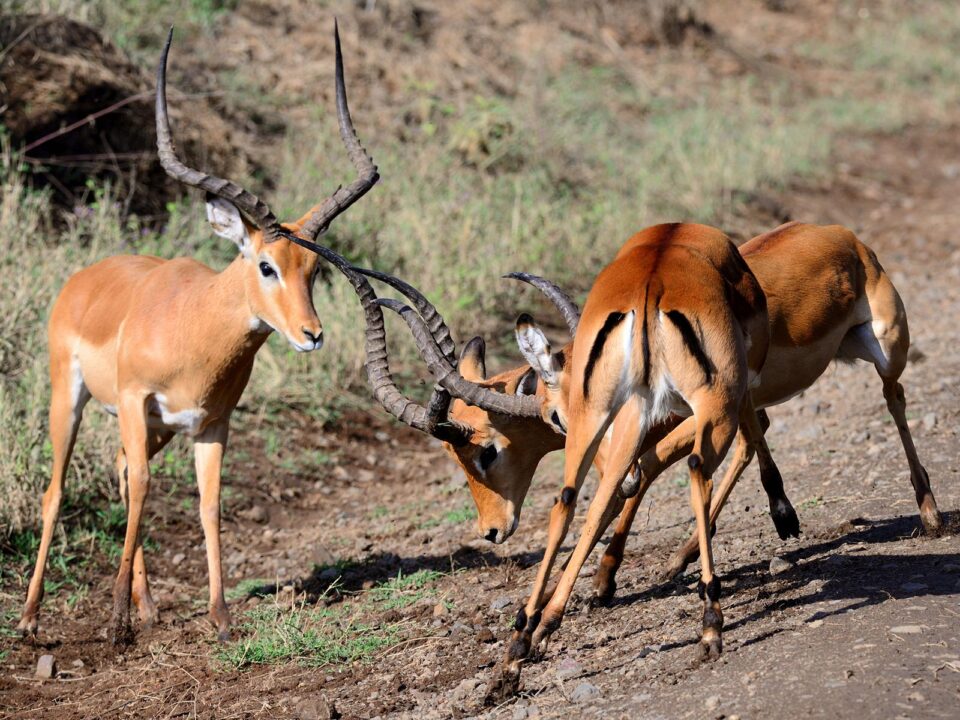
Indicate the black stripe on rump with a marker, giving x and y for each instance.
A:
(613, 319)
(645, 338)
(691, 341)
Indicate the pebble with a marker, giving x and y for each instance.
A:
(712, 702)
(779, 565)
(906, 629)
(178, 558)
(929, 421)
(584, 692)
(568, 668)
(46, 667)
(501, 603)
(258, 514)
(440, 609)
(485, 635)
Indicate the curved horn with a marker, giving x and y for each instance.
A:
(449, 377)
(366, 170)
(434, 321)
(254, 207)
(431, 419)
(567, 307)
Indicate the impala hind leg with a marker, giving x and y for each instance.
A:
(716, 427)
(208, 453)
(67, 399)
(140, 587)
(133, 432)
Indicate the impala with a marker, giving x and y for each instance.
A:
(827, 295)
(168, 346)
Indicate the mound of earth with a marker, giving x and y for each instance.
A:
(79, 110)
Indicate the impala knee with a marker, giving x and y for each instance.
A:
(709, 590)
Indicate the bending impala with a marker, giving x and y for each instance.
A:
(168, 346)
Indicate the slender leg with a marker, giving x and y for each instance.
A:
(208, 451)
(133, 432)
(897, 404)
(604, 582)
(66, 409)
(146, 607)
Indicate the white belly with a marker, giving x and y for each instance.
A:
(188, 421)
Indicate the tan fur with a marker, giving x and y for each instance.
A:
(140, 335)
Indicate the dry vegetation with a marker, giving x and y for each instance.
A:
(507, 140)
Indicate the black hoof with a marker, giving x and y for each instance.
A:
(122, 634)
(603, 595)
(785, 520)
(709, 650)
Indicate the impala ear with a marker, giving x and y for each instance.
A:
(536, 350)
(528, 383)
(472, 365)
(227, 222)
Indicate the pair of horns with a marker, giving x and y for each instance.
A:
(255, 208)
(436, 347)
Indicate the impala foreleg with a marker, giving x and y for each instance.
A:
(208, 451)
(134, 435)
(66, 407)
(627, 437)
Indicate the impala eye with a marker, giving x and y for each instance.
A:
(487, 457)
(555, 419)
(266, 269)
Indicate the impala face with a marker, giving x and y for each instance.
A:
(502, 454)
(278, 276)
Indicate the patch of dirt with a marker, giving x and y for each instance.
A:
(864, 620)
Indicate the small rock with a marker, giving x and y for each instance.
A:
(258, 514)
(913, 586)
(365, 475)
(929, 421)
(520, 712)
(178, 558)
(460, 629)
(485, 635)
(712, 703)
(439, 610)
(815, 623)
(916, 697)
(568, 668)
(584, 692)
(907, 629)
(340, 473)
(78, 664)
(381, 436)
(779, 565)
(951, 568)
(466, 687)
(501, 603)
(46, 667)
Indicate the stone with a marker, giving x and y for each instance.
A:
(501, 603)
(584, 692)
(46, 667)
(178, 558)
(778, 565)
(568, 668)
(913, 586)
(440, 609)
(712, 702)
(929, 421)
(258, 514)
(907, 629)
(485, 635)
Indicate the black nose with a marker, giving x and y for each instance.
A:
(311, 337)
(492, 535)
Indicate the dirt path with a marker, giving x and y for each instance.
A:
(864, 622)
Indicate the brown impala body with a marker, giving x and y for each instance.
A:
(168, 346)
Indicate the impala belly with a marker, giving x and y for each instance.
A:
(161, 416)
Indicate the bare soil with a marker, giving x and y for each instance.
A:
(864, 622)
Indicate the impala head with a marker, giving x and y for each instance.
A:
(279, 261)
(494, 428)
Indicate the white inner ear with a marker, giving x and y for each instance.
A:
(226, 222)
(536, 350)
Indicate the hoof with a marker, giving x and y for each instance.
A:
(122, 634)
(674, 569)
(932, 523)
(709, 650)
(785, 520)
(504, 687)
(603, 593)
(27, 627)
(223, 636)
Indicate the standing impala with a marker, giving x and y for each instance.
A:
(168, 347)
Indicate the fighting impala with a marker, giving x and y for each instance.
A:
(822, 283)
(168, 347)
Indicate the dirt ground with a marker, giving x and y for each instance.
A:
(864, 621)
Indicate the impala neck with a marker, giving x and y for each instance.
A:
(228, 314)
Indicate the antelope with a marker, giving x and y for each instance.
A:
(168, 346)
(827, 295)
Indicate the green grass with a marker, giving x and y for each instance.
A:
(404, 590)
